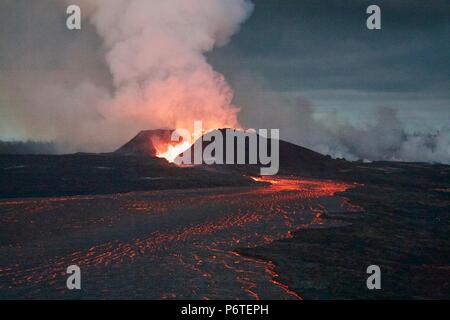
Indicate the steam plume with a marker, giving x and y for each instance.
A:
(159, 77)
(155, 52)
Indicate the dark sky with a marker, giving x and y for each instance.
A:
(322, 50)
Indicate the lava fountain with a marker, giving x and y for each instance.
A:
(172, 151)
(181, 140)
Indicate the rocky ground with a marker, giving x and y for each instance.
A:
(88, 174)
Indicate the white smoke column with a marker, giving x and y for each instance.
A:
(155, 52)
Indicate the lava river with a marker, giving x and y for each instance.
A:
(172, 244)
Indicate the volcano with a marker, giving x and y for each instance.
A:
(293, 158)
(146, 143)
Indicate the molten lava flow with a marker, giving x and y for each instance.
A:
(315, 188)
(173, 151)
(170, 150)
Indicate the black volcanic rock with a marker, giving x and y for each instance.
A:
(87, 174)
(297, 158)
(145, 143)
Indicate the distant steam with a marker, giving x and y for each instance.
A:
(384, 138)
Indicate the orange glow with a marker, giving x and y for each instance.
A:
(172, 151)
(315, 188)
(272, 211)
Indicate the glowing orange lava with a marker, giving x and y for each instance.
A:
(173, 151)
(316, 188)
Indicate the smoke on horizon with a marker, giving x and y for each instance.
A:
(27, 147)
(383, 138)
